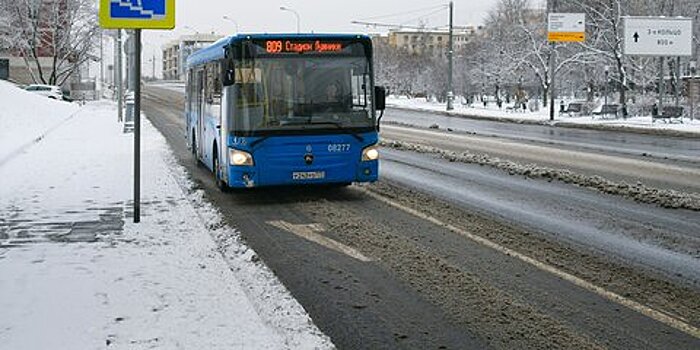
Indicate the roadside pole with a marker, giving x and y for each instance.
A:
(693, 90)
(160, 14)
(662, 84)
(552, 85)
(679, 80)
(102, 64)
(120, 78)
(552, 68)
(137, 126)
(561, 28)
(115, 50)
(450, 55)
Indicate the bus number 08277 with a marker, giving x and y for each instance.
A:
(344, 147)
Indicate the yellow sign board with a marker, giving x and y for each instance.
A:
(566, 37)
(137, 14)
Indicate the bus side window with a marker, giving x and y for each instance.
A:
(216, 88)
(188, 91)
(208, 85)
(359, 88)
(198, 98)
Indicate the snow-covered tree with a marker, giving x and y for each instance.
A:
(63, 31)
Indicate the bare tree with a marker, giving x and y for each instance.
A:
(60, 32)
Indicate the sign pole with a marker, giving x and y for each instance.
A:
(552, 68)
(137, 126)
(561, 28)
(137, 15)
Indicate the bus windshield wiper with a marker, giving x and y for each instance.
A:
(339, 126)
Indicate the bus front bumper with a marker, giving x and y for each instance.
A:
(250, 177)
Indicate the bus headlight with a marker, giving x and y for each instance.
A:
(240, 158)
(370, 153)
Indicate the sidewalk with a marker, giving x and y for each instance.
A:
(635, 124)
(75, 273)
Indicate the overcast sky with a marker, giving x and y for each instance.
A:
(317, 16)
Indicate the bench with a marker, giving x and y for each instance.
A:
(608, 110)
(573, 109)
(670, 114)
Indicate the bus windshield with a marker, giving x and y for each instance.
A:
(288, 94)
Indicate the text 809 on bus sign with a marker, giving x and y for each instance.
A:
(288, 46)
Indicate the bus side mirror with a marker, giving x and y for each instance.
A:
(380, 98)
(228, 77)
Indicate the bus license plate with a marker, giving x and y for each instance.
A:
(312, 175)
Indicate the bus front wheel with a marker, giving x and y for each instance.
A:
(220, 183)
(194, 149)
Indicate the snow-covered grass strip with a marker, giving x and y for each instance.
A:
(642, 123)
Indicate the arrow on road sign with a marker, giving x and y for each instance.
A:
(636, 37)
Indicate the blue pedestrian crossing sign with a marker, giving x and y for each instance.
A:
(137, 14)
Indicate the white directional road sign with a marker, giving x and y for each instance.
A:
(658, 36)
(567, 27)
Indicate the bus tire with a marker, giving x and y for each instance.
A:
(220, 183)
(194, 149)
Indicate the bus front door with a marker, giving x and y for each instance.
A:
(200, 112)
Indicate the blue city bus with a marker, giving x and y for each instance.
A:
(292, 109)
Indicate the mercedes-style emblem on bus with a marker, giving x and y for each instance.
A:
(309, 159)
(309, 149)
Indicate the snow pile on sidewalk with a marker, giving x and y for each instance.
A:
(75, 273)
(25, 117)
(542, 116)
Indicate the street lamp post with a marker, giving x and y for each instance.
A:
(283, 8)
(227, 18)
(450, 53)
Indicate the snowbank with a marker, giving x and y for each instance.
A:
(76, 273)
(542, 116)
(25, 116)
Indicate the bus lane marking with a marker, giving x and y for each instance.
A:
(657, 315)
(312, 233)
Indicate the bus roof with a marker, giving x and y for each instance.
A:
(216, 50)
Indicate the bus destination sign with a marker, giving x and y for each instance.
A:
(300, 47)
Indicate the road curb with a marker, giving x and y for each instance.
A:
(560, 124)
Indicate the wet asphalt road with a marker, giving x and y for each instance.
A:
(665, 240)
(425, 286)
(663, 174)
(609, 142)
